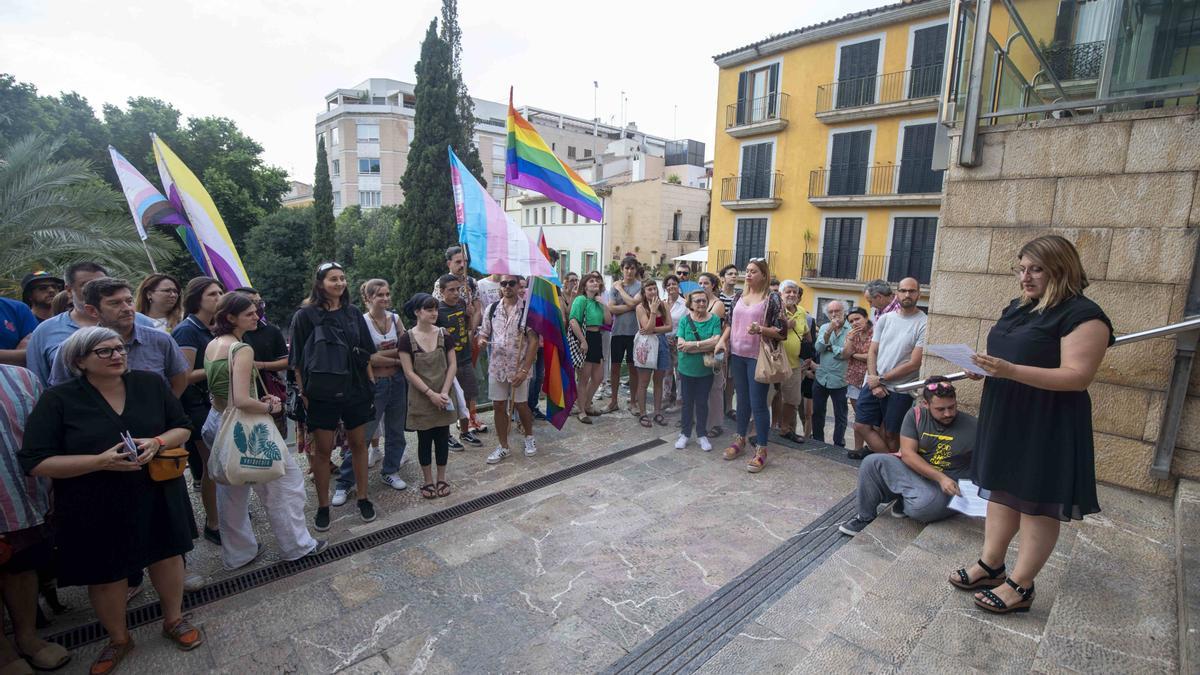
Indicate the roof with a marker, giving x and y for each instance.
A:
(826, 29)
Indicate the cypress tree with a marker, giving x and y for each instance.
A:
(427, 222)
(322, 236)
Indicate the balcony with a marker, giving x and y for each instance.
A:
(899, 93)
(1077, 68)
(762, 115)
(911, 184)
(722, 257)
(850, 271)
(752, 191)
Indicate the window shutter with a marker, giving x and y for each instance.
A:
(928, 56)
(773, 92)
(912, 249)
(742, 96)
(856, 71)
(916, 160)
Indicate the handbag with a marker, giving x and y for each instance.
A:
(577, 355)
(772, 366)
(167, 464)
(248, 448)
(645, 351)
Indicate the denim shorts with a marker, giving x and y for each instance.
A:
(887, 412)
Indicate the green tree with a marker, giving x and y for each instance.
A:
(323, 244)
(465, 106)
(366, 242)
(276, 259)
(54, 213)
(427, 224)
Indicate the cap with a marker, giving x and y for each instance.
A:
(30, 278)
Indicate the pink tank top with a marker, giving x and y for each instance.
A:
(742, 343)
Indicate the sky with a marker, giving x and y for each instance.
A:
(268, 64)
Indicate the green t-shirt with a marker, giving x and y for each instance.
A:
(587, 312)
(692, 363)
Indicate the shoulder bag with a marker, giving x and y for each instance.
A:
(248, 449)
(577, 355)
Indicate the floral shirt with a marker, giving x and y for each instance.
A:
(858, 343)
(505, 330)
(891, 307)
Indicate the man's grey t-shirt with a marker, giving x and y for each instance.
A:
(947, 449)
(624, 324)
(897, 336)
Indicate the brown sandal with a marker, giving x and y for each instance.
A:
(758, 461)
(735, 448)
(185, 636)
(110, 657)
(443, 488)
(429, 491)
(644, 420)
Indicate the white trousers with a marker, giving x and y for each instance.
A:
(283, 500)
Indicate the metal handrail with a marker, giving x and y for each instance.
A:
(1189, 323)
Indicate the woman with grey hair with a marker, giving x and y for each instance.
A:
(112, 519)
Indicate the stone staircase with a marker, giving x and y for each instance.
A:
(1121, 593)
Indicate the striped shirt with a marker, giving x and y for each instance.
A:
(24, 500)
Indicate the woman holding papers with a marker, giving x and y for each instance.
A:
(1034, 462)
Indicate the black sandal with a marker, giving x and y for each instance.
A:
(644, 420)
(428, 491)
(660, 420)
(994, 578)
(997, 606)
(443, 488)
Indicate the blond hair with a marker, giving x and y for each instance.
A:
(1060, 262)
(370, 287)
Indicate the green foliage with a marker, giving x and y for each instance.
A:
(366, 243)
(427, 223)
(674, 179)
(54, 213)
(323, 243)
(276, 257)
(614, 269)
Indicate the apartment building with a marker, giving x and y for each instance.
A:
(368, 128)
(825, 154)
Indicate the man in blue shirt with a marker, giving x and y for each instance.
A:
(51, 333)
(830, 380)
(17, 323)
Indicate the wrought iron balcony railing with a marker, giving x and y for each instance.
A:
(849, 266)
(755, 110)
(878, 89)
(759, 185)
(905, 178)
(723, 257)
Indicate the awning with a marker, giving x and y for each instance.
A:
(699, 255)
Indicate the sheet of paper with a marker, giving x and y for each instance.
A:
(970, 503)
(958, 354)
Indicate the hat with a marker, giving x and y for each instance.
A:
(30, 278)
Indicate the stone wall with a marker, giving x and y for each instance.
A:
(1124, 188)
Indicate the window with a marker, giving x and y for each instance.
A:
(848, 163)
(337, 167)
(928, 55)
(553, 147)
(411, 132)
(587, 153)
(916, 160)
(676, 222)
(368, 133)
(535, 217)
(751, 240)
(368, 165)
(498, 182)
(858, 67)
(370, 199)
(755, 181)
(498, 150)
(758, 93)
(571, 152)
(703, 230)
(839, 248)
(544, 221)
(576, 216)
(337, 200)
(564, 263)
(589, 262)
(912, 249)
(335, 136)
(564, 216)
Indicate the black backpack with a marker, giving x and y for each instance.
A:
(326, 367)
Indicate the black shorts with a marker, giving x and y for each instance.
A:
(806, 387)
(465, 375)
(621, 347)
(353, 411)
(595, 346)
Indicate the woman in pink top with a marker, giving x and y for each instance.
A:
(757, 316)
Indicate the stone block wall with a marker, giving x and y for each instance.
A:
(1123, 187)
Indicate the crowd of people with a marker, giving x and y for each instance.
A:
(122, 376)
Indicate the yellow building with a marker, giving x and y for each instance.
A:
(825, 150)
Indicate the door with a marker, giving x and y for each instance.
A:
(839, 248)
(857, 69)
(756, 171)
(757, 94)
(916, 161)
(751, 241)
(928, 57)
(848, 163)
(912, 249)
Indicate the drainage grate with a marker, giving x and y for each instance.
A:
(689, 641)
(139, 616)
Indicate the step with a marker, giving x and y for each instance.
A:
(1187, 570)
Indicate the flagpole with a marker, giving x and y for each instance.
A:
(153, 267)
(510, 105)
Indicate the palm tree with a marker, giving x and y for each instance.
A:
(55, 213)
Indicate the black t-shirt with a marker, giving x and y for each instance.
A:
(455, 320)
(352, 324)
(267, 341)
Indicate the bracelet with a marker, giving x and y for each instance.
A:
(161, 445)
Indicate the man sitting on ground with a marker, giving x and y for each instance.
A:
(936, 442)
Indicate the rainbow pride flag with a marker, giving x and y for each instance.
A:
(184, 190)
(531, 164)
(545, 317)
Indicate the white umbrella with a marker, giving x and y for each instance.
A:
(699, 255)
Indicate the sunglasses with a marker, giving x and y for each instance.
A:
(325, 267)
(940, 388)
(509, 283)
(682, 273)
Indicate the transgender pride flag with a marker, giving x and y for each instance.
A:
(495, 243)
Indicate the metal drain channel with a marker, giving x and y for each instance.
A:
(74, 638)
(689, 641)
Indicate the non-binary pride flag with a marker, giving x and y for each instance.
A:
(545, 318)
(531, 164)
(183, 188)
(495, 244)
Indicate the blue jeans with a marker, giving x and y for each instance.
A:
(751, 398)
(694, 391)
(391, 408)
(535, 384)
(838, 396)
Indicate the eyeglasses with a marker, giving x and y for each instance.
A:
(325, 267)
(1032, 270)
(509, 283)
(107, 352)
(682, 273)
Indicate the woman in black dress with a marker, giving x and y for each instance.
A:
(1034, 459)
(112, 520)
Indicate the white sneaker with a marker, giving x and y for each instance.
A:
(393, 480)
(373, 455)
(192, 581)
(498, 455)
(682, 442)
(704, 444)
(530, 446)
(339, 497)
